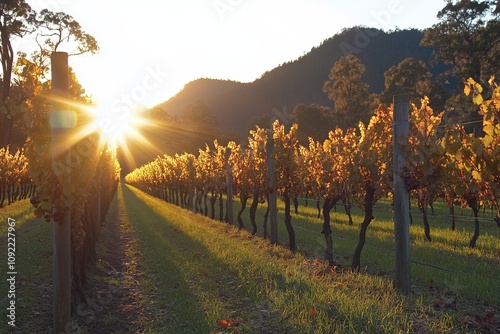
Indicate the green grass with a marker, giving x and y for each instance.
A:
(447, 261)
(217, 272)
(33, 266)
(188, 273)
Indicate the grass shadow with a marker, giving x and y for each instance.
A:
(469, 272)
(33, 265)
(198, 285)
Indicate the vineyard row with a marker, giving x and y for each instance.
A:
(15, 182)
(353, 166)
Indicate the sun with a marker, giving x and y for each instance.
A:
(122, 129)
(116, 125)
(125, 131)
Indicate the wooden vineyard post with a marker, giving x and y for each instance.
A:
(401, 198)
(273, 215)
(229, 176)
(62, 121)
(191, 190)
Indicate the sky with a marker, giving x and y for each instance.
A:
(150, 49)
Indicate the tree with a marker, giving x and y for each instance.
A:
(28, 98)
(199, 126)
(409, 77)
(55, 28)
(16, 18)
(263, 121)
(313, 120)
(347, 90)
(158, 114)
(60, 27)
(468, 38)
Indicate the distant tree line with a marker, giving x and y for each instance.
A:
(467, 39)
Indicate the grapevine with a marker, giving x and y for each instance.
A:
(15, 181)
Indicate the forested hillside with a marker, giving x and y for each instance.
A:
(236, 105)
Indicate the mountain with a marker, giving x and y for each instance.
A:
(236, 104)
(275, 94)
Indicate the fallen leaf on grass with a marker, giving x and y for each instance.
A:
(223, 323)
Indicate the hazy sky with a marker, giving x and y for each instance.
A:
(149, 49)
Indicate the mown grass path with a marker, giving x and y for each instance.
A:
(201, 279)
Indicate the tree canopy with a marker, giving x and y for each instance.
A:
(345, 87)
(468, 38)
(410, 77)
(18, 19)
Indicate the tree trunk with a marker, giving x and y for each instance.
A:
(184, 199)
(205, 203)
(32, 190)
(266, 217)
(497, 220)
(7, 131)
(196, 208)
(7, 57)
(427, 229)
(17, 190)
(253, 211)
(452, 217)
(226, 216)
(213, 199)
(369, 201)
(473, 240)
(22, 191)
(243, 200)
(288, 222)
(319, 208)
(327, 231)
(9, 195)
(3, 189)
(347, 208)
(200, 201)
(296, 205)
(221, 207)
